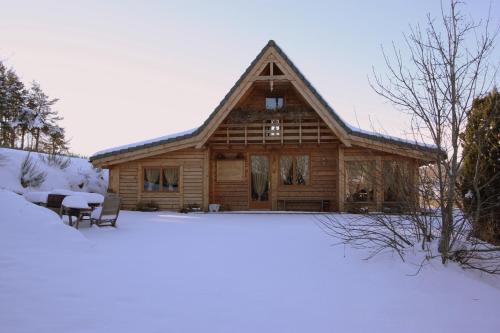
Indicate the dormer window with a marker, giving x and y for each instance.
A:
(274, 103)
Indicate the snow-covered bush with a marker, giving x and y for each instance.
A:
(90, 180)
(59, 161)
(31, 175)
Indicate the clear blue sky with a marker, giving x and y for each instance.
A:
(133, 70)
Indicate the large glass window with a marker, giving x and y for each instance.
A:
(161, 179)
(359, 181)
(396, 181)
(274, 103)
(294, 170)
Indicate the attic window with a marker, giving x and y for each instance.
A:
(274, 103)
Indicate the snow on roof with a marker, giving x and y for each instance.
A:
(143, 144)
(357, 130)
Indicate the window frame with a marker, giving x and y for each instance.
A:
(374, 189)
(276, 98)
(405, 165)
(294, 171)
(162, 168)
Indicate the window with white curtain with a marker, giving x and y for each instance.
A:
(161, 179)
(294, 169)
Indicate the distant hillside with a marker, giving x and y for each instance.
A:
(22, 171)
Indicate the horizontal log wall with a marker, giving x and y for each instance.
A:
(235, 195)
(128, 185)
(323, 180)
(191, 187)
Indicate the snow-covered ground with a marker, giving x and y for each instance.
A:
(79, 175)
(168, 272)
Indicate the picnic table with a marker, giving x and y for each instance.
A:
(77, 206)
(66, 202)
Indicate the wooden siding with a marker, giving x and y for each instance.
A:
(323, 179)
(191, 179)
(128, 185)
(235, 195)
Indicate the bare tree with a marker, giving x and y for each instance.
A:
(446, 66)
(442, 69)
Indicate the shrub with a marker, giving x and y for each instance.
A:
(61, 162)
(31, 176)
(147, 206)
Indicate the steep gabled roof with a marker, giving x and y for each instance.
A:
(351, 131)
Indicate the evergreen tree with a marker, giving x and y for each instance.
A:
(3, 105)
(15, 100)
(27, 117)
(44, 117)
(481, 168)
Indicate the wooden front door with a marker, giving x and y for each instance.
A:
(260, 182)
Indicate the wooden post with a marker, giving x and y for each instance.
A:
(274, 181)
(282, 129)
(340, 178)
(300, 131)
(140, 180)
(379, 189)
(263, 132)
(114, 179)
(181, 186)
(206, 178)
(319, 133)
(246, 140)
(227, 134)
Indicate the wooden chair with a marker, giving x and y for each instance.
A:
(54, 202)
(107, 214)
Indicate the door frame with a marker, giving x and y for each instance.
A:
(260, 205)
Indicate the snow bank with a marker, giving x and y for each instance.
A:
(79, 175)
(24, 225)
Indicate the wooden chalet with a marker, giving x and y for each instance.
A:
(273, 143)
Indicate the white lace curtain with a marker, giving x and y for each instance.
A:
(286, 170)
(171, 178)
(152, 178)
(260, 175)
(302, 169)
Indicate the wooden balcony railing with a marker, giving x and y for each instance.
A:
(275, 131)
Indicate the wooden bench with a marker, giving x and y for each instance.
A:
(324, 204)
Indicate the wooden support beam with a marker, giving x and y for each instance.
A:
(282, 129)
(206, 179)
(379, 189)
(264, 132)
(340, 178)
(319, 132)
(246, 135)
(300, 131)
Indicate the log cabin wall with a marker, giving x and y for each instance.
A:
(191, 180)
(294, 130)
(235, 195)
(128, 184)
